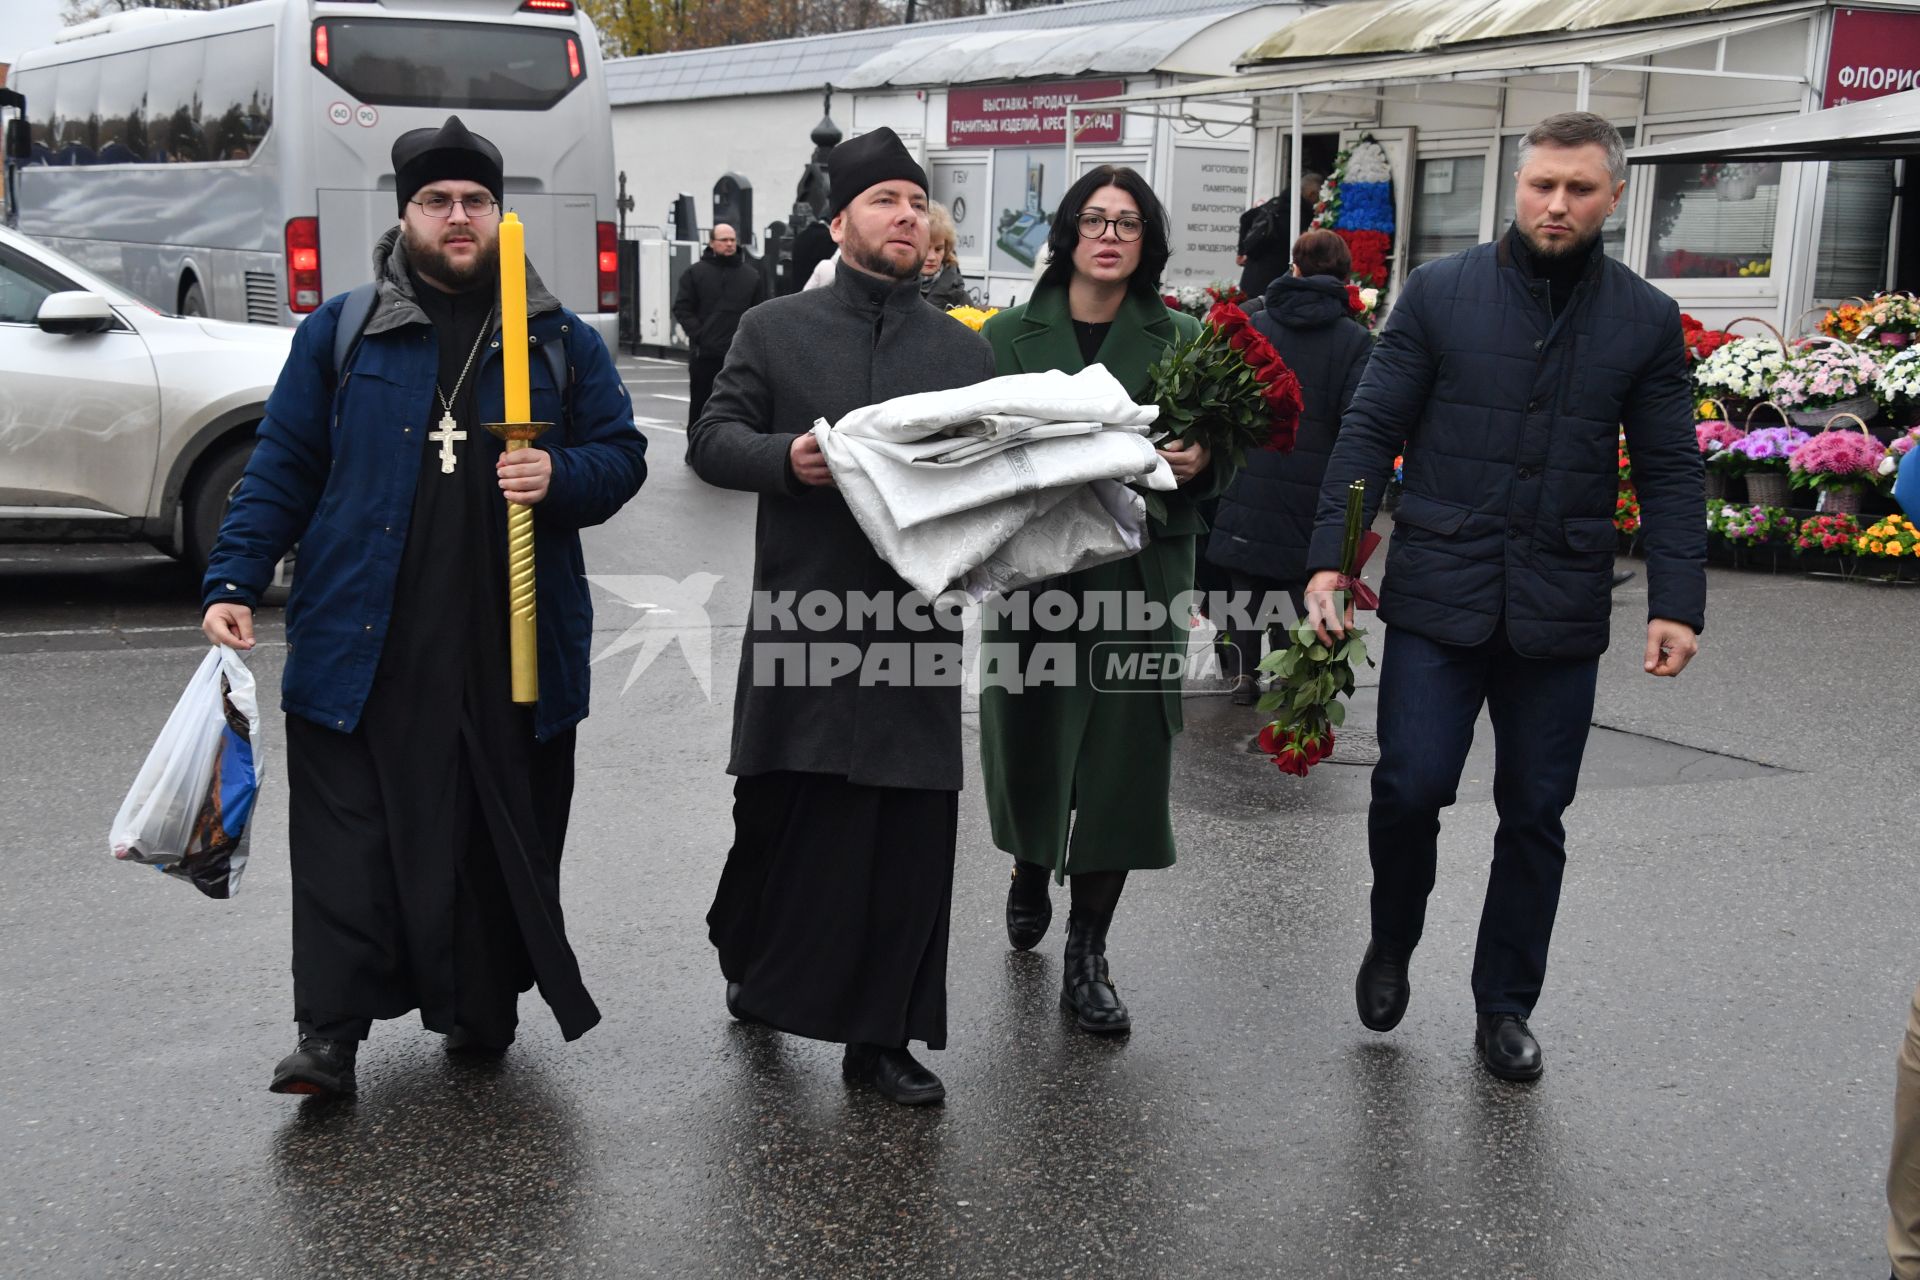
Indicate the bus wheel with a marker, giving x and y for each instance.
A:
(214, 482)
(193, 300)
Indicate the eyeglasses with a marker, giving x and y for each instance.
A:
(441, 206)
(1126, 227)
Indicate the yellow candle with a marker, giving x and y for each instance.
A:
(513, 317)
(518, 432)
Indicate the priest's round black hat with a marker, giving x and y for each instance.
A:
(421, 156)
(867, 161)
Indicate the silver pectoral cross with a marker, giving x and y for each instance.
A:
(445, 437)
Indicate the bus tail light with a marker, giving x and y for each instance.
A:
(320, 44)
(573, 58)
(303, 265)
(609, 263)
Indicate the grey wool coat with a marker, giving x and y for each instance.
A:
(821, 354)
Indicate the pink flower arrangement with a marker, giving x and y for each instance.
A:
(1715, 435)
(1825, 375)
(1837, 457)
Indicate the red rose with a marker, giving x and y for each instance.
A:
(1242, 338)
(1170, 300)
(1291, 761)
(1269, 740)
(1354, 302)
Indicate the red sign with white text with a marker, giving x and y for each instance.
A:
(1873, 53)
(1030, 115)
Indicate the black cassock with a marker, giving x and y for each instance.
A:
(425, 845)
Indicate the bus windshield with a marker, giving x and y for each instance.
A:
(393, 62)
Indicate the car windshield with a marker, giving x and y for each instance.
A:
(69, 274)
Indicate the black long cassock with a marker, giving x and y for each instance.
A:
(425, 845)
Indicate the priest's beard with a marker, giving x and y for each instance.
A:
(873, 259)
(427, 258)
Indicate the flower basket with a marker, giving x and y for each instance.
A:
(1717, 484)
(1841, 500)
(1767, 488)
(1857, 407)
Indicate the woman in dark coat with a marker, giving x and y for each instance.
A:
(1266, 517)
(1077, 776)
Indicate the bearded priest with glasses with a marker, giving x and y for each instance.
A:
(426, 810)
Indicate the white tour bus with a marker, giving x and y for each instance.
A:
(234, 163)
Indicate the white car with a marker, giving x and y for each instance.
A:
(117, 422)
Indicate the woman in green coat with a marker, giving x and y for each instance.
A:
(1077, 776)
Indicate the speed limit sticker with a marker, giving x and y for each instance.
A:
(340, 113)
(367, 117)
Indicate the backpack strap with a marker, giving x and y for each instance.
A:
(353, 318)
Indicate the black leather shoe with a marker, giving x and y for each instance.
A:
(318, 1068)
(733, 1006)
(894, 1072)
(473, 1045)
(1029, 908)
(1246, 691)
(1381, 990)
(1086, 987)
(1507, 1047)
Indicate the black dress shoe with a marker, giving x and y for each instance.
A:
(733, 1006)
(318, 1068)
(1381, 990)
(1246, 691)
(1086, 986)
(1507, 1047)
(1029, 908)
(472, 1044)
(894, 1072)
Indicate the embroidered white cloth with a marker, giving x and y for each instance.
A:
(999, 484)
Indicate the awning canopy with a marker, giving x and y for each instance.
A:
(1880, 127)
(1360, 27)
(1611, 51)
(987, 56)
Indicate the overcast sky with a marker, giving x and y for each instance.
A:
(26, 24)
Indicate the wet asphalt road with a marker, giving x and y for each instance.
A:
(1730, 977)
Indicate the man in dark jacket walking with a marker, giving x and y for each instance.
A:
(714, 293)
(426, 811)
(831, 915)
(1263, 241)
(1265, 520)
(1509, 371)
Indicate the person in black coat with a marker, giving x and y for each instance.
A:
(1509, 372)
(1265, 521)
(714, 293)
(1263, 237)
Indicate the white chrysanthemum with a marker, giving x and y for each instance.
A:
(1368, 163)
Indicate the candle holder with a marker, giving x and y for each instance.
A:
(522, 636)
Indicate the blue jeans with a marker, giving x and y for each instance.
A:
(1430, 697)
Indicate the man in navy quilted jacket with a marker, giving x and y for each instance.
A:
(1509, 371)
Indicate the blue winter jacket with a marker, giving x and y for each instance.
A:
(1511, 419)
(335, 471)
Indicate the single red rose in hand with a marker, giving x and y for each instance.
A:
(1354, 302)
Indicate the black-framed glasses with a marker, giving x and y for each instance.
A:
(437, 205)
(1126, 226)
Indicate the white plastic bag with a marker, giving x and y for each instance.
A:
(188, 809)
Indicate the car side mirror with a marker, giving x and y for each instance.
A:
(19, 140)
(74, 312)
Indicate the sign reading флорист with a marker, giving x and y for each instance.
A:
(1873, 53)
(1030, 115)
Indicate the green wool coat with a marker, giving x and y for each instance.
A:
(1049, 750)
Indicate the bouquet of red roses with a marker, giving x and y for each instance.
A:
(1227, 389)
(1311, 676)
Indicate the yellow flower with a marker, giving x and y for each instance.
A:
(1706, 411)
(973, 317)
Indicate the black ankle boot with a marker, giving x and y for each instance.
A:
(319, 1068)
(1381, 989)
(1029, 908)
(1086, 989)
